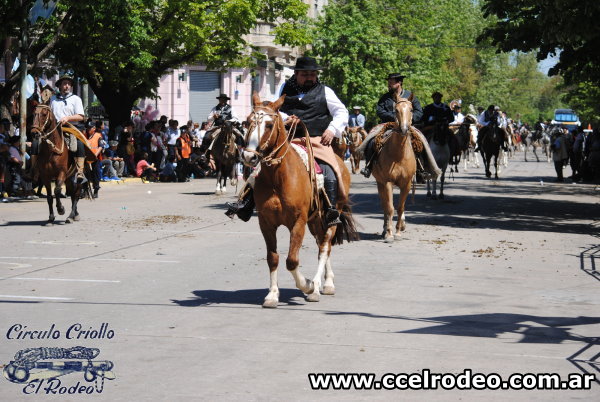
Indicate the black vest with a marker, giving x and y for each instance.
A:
(311, 109)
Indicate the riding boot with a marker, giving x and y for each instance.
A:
(95, 195)
(370, 160)
(332, 215)
(80, 163)
(243, 207)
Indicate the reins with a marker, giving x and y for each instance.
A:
(44, 136)
(270, 159)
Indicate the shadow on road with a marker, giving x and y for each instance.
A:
(244, 296)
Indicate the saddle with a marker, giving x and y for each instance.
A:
(386, 132)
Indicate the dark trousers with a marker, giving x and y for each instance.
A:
(558, 166)
(183, 169)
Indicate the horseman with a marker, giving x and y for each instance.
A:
(459, 118)
(217, 117)
(356, 119)
(68, 110)
(324, 116)
(436, 113)
(488, 120)
(386, 113)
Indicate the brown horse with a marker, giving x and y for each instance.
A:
(225, 152)
(339, 147)
(283, 193)
(54, 163)
(396, 165)
(355, 136)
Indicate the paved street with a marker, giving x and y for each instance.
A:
(499, 277)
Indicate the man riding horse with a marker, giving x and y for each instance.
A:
(325, 118)
(217, 118)
(489, 120)
(68, 109)
(386, 113)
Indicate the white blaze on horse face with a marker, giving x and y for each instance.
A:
(258, 130)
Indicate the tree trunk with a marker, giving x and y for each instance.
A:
(116, 104)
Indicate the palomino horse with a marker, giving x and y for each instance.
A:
(283, 192)
(396, 165)
(225, 152)
(492, 139)
(440, 148)
(54, 163)
(355, 136)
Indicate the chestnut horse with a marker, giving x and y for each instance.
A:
(54, 163)
(339, 147)
(355, 136)
(396, 165)
(283, 193)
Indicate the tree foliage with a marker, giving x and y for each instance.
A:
(123, 47)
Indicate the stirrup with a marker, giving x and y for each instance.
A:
(332, 217)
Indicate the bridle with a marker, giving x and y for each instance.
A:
(256, 120)
(40, 129)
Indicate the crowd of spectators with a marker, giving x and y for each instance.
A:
(160, 150)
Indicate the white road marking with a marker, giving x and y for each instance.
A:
(92, 259)
(14, 265)
(36, 297)
(64, 280)
(63, 242)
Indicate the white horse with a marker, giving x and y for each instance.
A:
(470, 156)
(441, 153)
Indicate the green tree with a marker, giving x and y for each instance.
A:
(123, 47)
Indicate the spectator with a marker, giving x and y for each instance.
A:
(94, 138)
(168, 172)
(3, 161)
(183, 150)
(157, 147)
(171, 136)
(144, 170)
(13, 165)
(118, 164)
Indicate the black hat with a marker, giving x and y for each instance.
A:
(306, 63)
(64, 77)
(437, 93)
(396, 76)
(223, 96)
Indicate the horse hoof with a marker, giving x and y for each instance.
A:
(61, 211)
(270, 304)
(397, 236)
(69, 220)
(313, 297)
(389, 239)
(329, 290)
(48, 224)
(76, 218)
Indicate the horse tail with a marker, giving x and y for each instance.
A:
(347, 229)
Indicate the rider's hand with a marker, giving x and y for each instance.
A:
(327, 137)
(64, 120)
(291, 119)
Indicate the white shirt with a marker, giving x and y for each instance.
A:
(336, 109)
(458, 118)
(172, 134)
(66, 107)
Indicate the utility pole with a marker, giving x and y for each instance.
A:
(23, 69)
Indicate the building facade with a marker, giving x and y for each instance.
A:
(189, 92)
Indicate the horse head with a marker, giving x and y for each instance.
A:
(265, 126)
(403, 111)
(43, 120)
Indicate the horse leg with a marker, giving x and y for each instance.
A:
(324, 253)
(57, 190)
(495, 166)
(49, 199)
(535, 153)
(401, 224)
(269, 234)
(386, 195)
(293, 259)
(74, 215)
(442, 180)
(328, 286)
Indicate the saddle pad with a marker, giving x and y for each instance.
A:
(304, 156)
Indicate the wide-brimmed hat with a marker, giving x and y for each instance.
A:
(223, 96)
(64, 77)
(396, 76)
(306, 63)
(356, 108)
